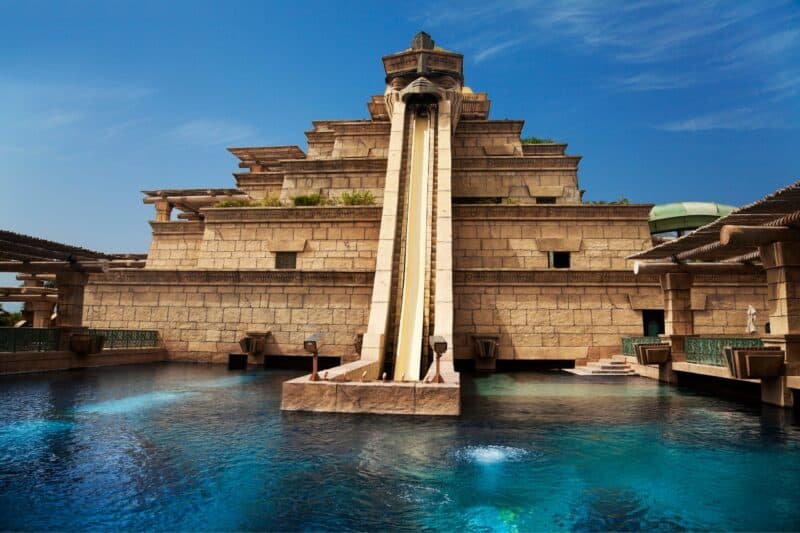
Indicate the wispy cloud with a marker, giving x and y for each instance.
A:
(209, 132)
(58, 91)
(55, 119)
(650, 81)
(494, 49)
(700, 35)
(742, 119)
(655, 45)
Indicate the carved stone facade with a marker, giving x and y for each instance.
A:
(511, 217)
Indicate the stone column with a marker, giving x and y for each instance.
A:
(71, 286)
(37, 313)
(678, 316)
(781, 261)
(163, 211)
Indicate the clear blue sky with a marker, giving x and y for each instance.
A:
(666, 101)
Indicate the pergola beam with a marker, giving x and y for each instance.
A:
(36, 277)
(641, 267)
(195, 201)
(53, 267)
(8, 291)
(754, 236)
(50, 298)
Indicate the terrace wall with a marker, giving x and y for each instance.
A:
(201, 315)
(550, 315)
(511, 237)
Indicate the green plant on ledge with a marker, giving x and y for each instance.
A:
(234, 202)
(619, 201)
(269, 201)
(536, 140)
(305, 200)
(357, 198)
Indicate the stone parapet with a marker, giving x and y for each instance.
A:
(27, 362)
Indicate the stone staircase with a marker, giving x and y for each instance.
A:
(615, 366)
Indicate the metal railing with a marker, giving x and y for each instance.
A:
(127, 338)
(708, 350)
(628, 342)
(29, 339)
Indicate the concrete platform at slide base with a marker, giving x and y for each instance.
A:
(29, 362)
(352, 388)
(401, 398)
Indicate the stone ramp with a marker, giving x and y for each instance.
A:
(614, 366)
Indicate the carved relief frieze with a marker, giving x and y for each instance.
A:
(551, 212)
(293, 214)
(466, 164)
(552, 277)
(234, 277)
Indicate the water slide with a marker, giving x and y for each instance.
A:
(409, 347)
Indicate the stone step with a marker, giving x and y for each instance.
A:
(584, 371)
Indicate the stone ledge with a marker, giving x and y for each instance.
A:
(177, 228)
(151, 276)
(707, 370)
(292, 214)
(27, 362)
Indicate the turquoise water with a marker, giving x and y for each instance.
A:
(186, 447)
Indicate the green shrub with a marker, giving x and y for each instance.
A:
(234, 202)
(357, 198)
(619, 201)
(270, 201)
(308, 199)
(536, 140)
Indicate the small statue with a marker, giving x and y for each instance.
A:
(751, 320)
(325, 375)
(364, 376)
(383, 377)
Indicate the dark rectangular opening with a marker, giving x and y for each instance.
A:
(545, 199)
(559, 259)
(286, 260)
(477, 200)
(653, 322)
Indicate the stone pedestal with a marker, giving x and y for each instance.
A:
(774, 391)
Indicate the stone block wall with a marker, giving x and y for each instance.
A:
(319, 245)
(521, 237)
(576, 315)
(522, 185)
(175, 245)
(722, 309)
(332, 177)
(487, 138)
(202, 315)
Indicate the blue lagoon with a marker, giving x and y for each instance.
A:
(195, 447)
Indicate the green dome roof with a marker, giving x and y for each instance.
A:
(685, 215)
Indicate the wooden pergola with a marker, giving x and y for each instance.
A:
(736, 238)
(189, 201)
(39, 260)
(761, 236)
